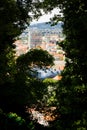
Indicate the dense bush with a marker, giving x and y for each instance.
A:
(12, 121)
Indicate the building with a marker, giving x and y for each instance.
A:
(44, 38)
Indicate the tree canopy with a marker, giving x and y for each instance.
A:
(72, 88)
(15, 16)
(14, 84)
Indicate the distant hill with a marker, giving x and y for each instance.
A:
(42, 26)
(46, 26)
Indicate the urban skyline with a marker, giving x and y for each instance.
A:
(43, 37)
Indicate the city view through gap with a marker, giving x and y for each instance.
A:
(46, 37)
(43, 64)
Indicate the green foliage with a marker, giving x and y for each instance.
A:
(49, 97)
(31, 89)
(14, 19)
(13, 121)
(34, 57)
(15, 117)
(19, 89)
(72, 89)
(50, 81)
(16, 87)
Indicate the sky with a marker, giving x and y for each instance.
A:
(46, 17)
